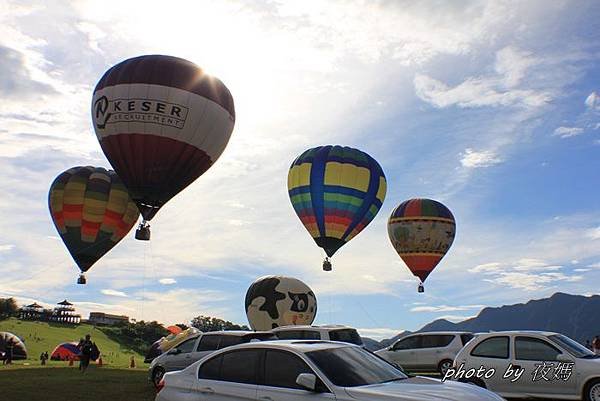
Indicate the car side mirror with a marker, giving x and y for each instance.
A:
(307, 381)
(174, 351)
(563, 358)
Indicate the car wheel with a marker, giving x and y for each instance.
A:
(592, 391)
(444, 366)
(157, 375)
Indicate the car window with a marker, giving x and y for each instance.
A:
(493, 347)
(354, 366)
(408, 343)
(465, 338)
(436, 341)
(289, 335)
(208, 343)
(346, 335)
(228, 341)
(282, 368)
(312, 335)
(210, 369)
(534, 349)
(240, 366)
(187, 346)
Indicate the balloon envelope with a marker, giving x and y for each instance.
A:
(66, 352)
(421, 231)
(161, 122)
(335, 191)
(92, 211)
(19, 349)
(274, 301)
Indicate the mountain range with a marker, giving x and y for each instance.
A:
(575, 316)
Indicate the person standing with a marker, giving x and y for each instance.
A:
(596, 345)
(86, 347)
(9, 352)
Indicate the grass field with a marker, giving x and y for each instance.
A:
(20, 383)
(42, 336)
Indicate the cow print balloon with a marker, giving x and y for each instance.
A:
(274, 301)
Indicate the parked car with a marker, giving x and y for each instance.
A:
(328, 332)
(528, 350)
(197, 347)
(426, 352)
(306, 370)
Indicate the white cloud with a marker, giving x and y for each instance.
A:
(167, 281)
(476, 159)
(445, 308)
(113, 293)
(593, 101)
(456, 318)
(493, 90)
(531, 281)
(593, 233)
(568, 132)
(6, 247)
(487, 268)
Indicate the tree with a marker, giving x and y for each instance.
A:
(8, 308)
(207, 323)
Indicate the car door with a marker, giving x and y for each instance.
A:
(431, 351)
(281, 368)
(491, 353)
(231, 376)
(207, 344)
(539, 359)
(180, 356)
(404, 352)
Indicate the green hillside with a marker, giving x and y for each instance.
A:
(42, 336)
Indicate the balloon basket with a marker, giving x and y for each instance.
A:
(421, 288)
(81, 279)
(327, 265)
(143, 231)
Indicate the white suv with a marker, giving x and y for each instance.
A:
(426, 352)
(197, 347)
(542, 365)
(329, 333)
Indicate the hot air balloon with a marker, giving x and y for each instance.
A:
(161, 122)
(421, 231)
(274, 301)
(336, 191)
(92, 211)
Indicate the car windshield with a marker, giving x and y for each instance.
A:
(353, 366)
(346, 335)
(572, 346)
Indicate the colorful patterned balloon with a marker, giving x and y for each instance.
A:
(92, 211)
(336, 191)
(161, 122)
(421, 231)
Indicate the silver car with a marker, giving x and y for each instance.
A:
(426, 352)
(197, 347)
(530, 364)
(306, 371)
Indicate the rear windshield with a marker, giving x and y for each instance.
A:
(465, 338)
(346, 335)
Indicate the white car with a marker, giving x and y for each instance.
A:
(197, 347)
(326, 332)
(308, 371)
(550, 365)
(426, 352)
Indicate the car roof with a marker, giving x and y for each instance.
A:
(325, 327)
(517, 332)
(237, 333)
(294, 345)
(443, 333)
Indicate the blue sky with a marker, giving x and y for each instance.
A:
(490, 107)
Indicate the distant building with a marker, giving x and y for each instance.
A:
(107, 319)
(64, 312)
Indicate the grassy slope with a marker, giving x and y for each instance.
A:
(68, 384)
(40, 337)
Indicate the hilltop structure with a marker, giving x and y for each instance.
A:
(64, 312)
